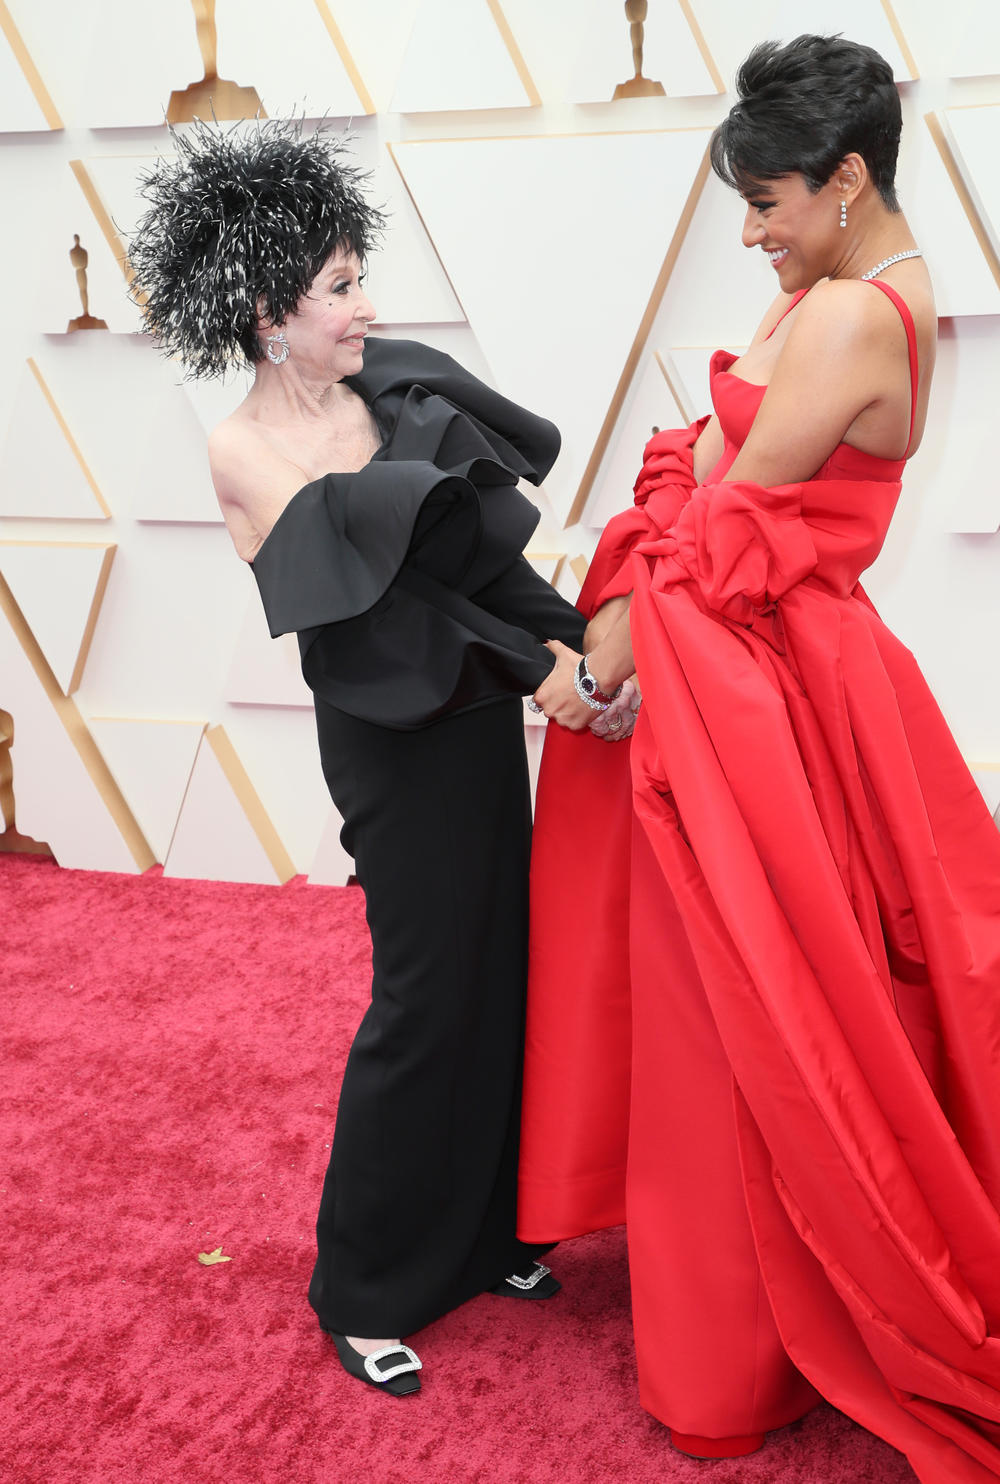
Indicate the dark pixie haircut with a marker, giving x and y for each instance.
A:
(803, 107)
(240, 222)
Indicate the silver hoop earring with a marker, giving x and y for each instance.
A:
(843, 212)
(278, 349)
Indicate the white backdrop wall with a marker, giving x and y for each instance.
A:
(566, 244)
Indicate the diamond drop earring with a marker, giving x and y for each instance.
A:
(278, 349)
(843, 212)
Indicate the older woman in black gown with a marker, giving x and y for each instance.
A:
(372, 488)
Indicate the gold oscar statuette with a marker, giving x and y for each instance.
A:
(10, 836)
(637, 86)
(212, 96)
(78, 256)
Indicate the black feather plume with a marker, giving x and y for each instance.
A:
(239, 222)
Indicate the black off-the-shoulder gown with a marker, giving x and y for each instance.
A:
(421, 626)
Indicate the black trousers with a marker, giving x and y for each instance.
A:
(418, 1207)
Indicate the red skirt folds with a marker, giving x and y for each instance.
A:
(764, 999)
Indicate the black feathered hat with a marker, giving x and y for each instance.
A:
(239, 223)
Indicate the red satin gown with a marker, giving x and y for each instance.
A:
(764, 1000)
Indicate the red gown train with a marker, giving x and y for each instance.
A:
(764, 998)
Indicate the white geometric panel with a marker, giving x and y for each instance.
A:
(562, 300)
(153, 462)
(89, 53)
(865, 21)
(972, 37)
(406, 282)
(603, 55)
(151, 762)
(929, 32)
(265, 671)
(960, 272)
(546, 36)
(331, 865)
(974, 508)
(20, 109)
(431, 78)
(732, 29)
(650, 404)
(58, 586)
(975, 137)
(178, 485)
(44, 476)
(291, 59)
(59, 798)
(960, 436)
(223, 833)
(376, 38)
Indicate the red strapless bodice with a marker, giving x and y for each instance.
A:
(737, 403)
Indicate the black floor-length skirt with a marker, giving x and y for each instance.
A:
(418, 1207)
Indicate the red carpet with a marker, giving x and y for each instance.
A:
(172, 1052)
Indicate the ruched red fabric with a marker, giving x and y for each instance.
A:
(789, 1085)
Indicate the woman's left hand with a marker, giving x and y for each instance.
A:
(557, 695)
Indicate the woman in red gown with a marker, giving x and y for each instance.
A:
(764, 1007)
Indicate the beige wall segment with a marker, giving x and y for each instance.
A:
(64, 428)
(250, 803)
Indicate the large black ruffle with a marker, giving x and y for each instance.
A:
(405, 581)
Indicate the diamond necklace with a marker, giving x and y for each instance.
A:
(914, 252)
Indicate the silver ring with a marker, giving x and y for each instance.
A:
(533, 705)
(615, 725)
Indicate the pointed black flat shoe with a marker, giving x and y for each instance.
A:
(533, 1282)
(392, 1369)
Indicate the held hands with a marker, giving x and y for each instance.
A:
(557, 697)
(617, 723)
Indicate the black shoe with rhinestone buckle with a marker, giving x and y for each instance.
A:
(533, 1282)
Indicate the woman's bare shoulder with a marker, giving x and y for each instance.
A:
(253, 482)
(246, 466)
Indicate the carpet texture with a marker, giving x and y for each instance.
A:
(171, 1057)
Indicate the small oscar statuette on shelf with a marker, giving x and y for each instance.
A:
(637, 86)
(78, 256)
(212, 96)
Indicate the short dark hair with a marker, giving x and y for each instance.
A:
(802, 107)
(242, 219)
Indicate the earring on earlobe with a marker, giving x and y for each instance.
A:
(278, 349)
(843, 212)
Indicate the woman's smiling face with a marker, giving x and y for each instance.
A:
(799, 229)
(328, 326)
